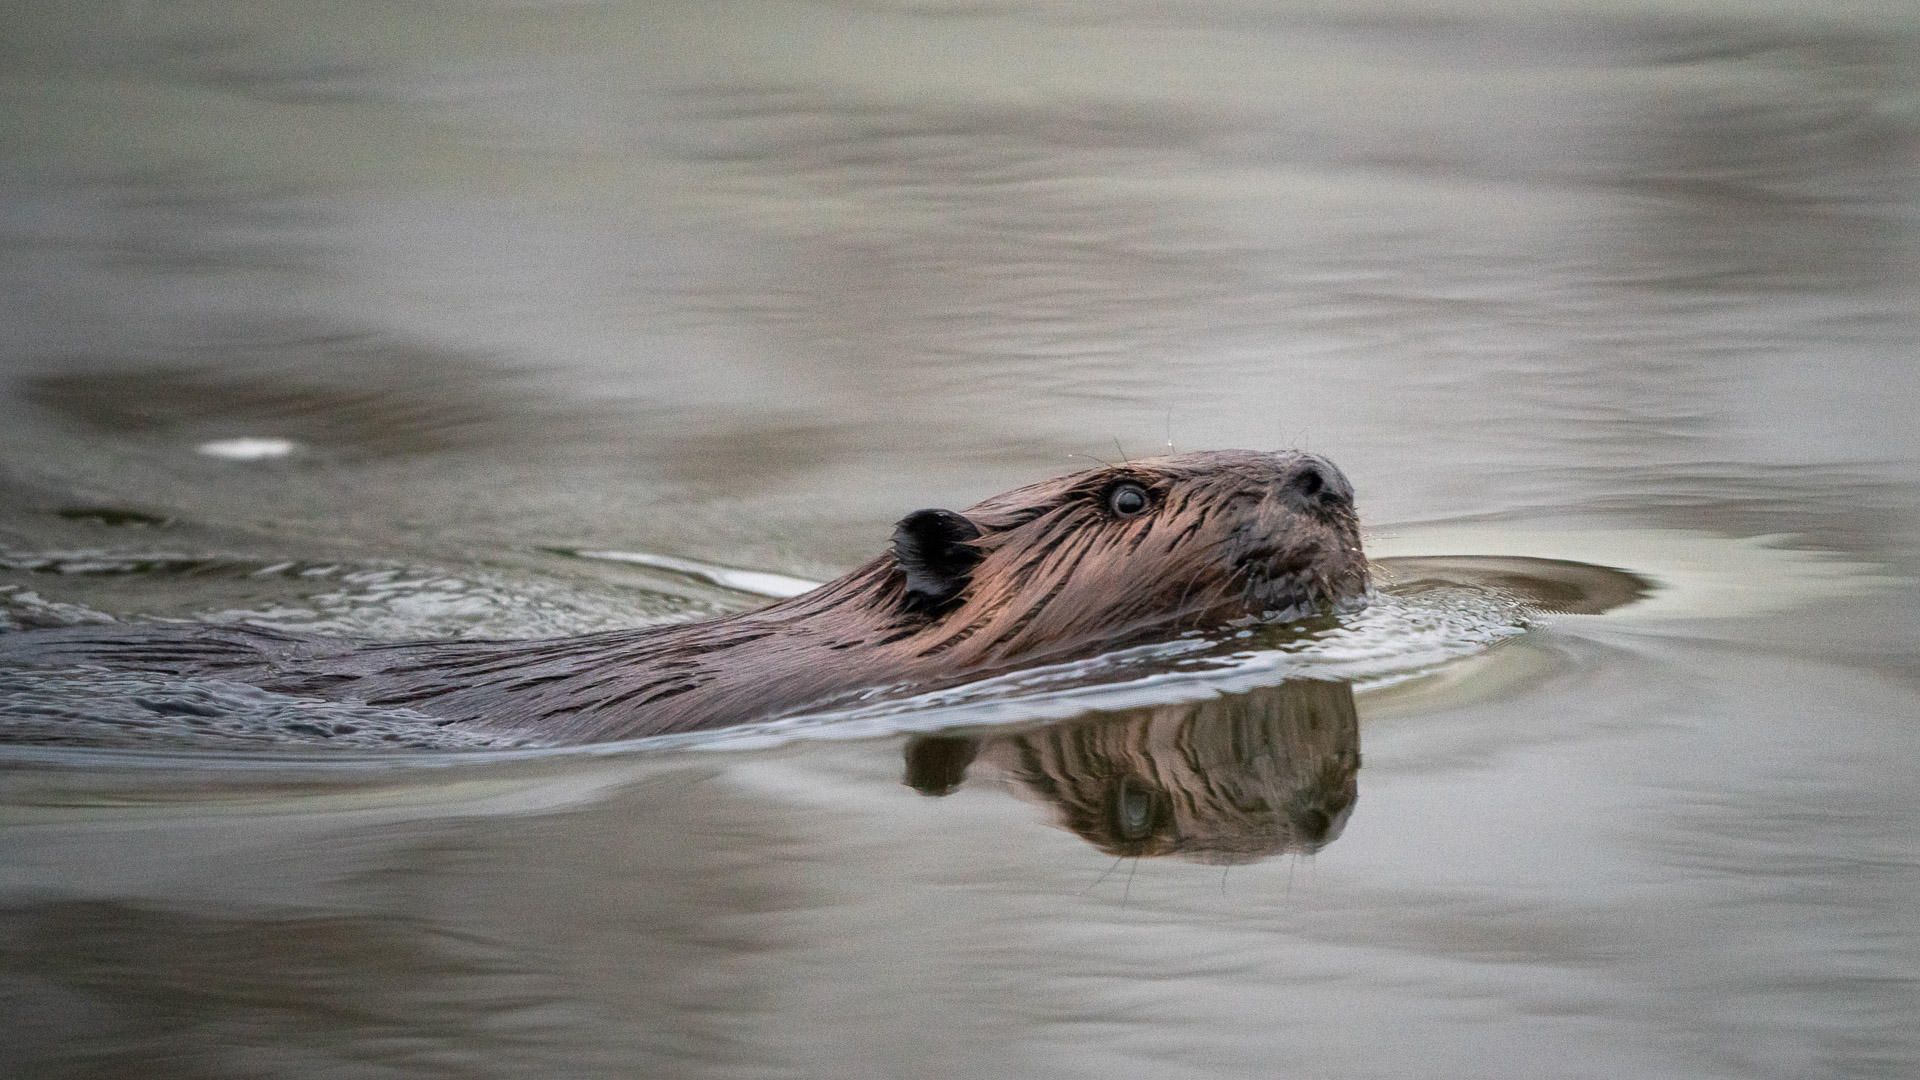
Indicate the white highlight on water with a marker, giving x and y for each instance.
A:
(248, 448)
(1699, 575)
(758, 582)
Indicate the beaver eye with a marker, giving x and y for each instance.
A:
(1128, 500)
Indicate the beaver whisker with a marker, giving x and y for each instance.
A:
(1185, 594)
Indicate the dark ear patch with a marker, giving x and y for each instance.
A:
(932, 547)
(936, 764)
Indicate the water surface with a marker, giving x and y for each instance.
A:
(373, 319)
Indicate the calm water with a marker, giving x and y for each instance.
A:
(492, 285)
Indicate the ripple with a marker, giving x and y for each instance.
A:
(1397, 637)
(383, 601)
(1430, 612)
(86, 707)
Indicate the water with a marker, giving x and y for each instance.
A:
(479, 319)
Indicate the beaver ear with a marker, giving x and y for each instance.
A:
(933, 547)
(936, 764)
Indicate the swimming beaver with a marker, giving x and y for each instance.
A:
(1063, 568)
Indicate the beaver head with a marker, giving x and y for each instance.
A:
(1130, 550)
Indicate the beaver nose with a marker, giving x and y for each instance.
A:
(1316, 484)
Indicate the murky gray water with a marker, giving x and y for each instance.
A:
(479, 319)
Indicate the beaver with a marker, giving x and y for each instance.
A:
(1068, 567)
(1229, 780)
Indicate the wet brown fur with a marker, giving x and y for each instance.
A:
(1229, 535)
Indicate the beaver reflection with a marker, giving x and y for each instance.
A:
(1230, 780)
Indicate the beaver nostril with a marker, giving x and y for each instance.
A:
(1316, 484)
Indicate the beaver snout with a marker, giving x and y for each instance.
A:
(1316, 485)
